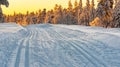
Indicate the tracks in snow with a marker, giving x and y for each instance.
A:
(49, 46)
(22, 58)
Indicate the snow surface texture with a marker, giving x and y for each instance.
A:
(47, 45)
(7, 27)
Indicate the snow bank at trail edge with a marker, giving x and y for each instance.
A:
(9, 27)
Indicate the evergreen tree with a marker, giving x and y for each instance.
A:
(104, 13)
(39, 17)
(6, 3)
(69, 16)
(92, 11)
(58, 15)
(55, 14)
(75, 4)
(28, 19)
(79, 12)
(86, 13)
(116, 16)
(1, 15)
(75, 12)
(80, 6)
(43, 15)
(51, 16)
(47, 18)
(70, 6)
(64, 16)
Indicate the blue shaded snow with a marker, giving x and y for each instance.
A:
(46, 45)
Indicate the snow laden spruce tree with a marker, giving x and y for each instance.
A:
(85, 15)
(6, 3)
(58, 15)
(69, 15)
(92, 11)
(116, 16)
(103, 13)
(75, 12)
(80, 12)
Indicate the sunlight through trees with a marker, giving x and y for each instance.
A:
(75, 14)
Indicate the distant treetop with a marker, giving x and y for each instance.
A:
(4, 2)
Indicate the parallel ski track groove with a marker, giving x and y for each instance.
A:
(83, 51)
(87, 57)
(56, 35)
(53, 35)
(18, 55)
(26, 52)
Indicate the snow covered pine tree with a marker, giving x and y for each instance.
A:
(6, 3)
(104, 13)
(80, 12)
(116, 16)
(92, 11)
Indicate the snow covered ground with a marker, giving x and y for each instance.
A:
(47, 45)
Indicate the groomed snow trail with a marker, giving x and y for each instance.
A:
(48, 45)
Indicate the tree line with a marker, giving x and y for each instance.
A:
(106, 14)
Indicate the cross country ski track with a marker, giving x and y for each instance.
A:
(47, 45)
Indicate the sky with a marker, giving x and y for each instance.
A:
(21, 6)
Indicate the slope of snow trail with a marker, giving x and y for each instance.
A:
(47, 45)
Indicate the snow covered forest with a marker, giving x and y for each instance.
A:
(106, 14)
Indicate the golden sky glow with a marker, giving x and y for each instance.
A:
(33, 5)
